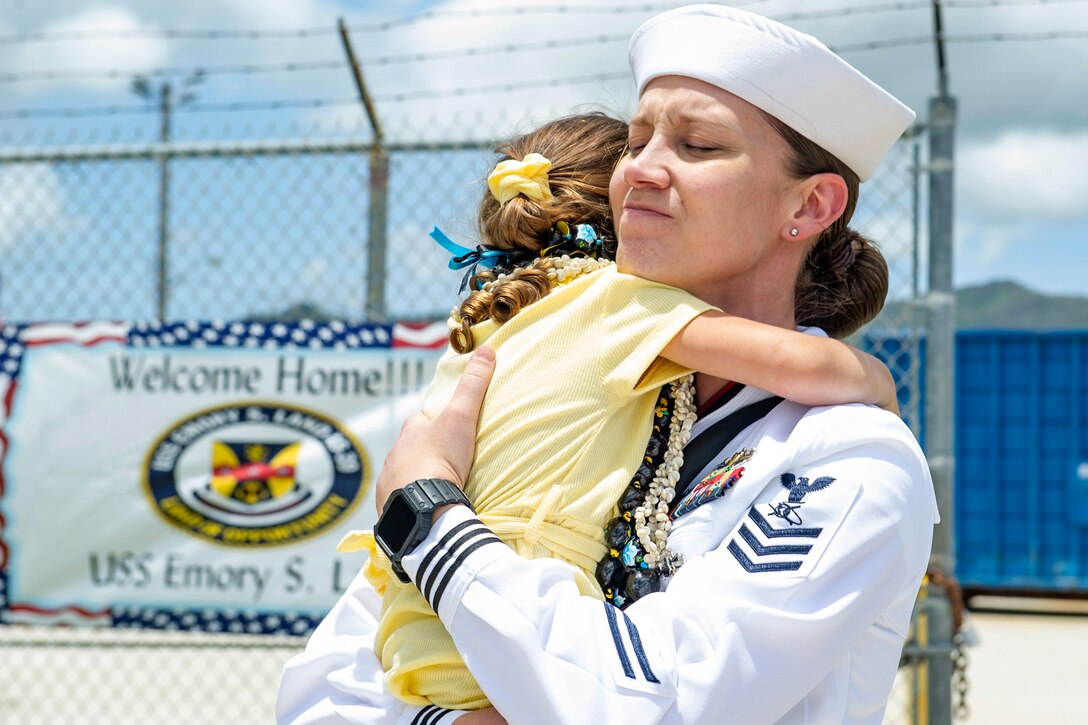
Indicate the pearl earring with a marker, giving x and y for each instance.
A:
(794, 232)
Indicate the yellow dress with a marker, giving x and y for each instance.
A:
(562, 430)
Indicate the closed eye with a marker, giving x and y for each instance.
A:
(699, 148)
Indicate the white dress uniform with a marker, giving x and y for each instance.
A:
(792, 606)
(805, 540)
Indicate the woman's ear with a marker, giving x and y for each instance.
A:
(823, 199)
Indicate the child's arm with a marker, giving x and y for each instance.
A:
(804, 368)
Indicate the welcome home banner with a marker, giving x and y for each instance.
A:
(194, 475)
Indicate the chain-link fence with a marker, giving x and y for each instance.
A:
(244, 231)
(52, 675)
(281, 230)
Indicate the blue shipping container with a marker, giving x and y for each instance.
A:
(1022, 460)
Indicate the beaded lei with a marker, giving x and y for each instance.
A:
(638, 553)
(637, 539)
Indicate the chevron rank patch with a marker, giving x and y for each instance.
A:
(787, 534)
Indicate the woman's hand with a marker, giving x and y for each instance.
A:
(443, 447)
(487, 716)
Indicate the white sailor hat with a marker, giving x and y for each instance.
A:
(792, 76)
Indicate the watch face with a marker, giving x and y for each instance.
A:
(396, 525)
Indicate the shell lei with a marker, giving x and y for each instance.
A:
(561, 269)
(637, 539)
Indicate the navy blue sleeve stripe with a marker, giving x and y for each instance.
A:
(428, 585)
(640, 653)
(492, 539)
(762, 550)
(772, 532)
(440, 716)
(423, 717)
(440, 545)
(435, 717)
(617, 639)
(752, 567)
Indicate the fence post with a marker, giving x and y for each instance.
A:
(378, 192)
(164, 204)
(940, 384)
(376, 234)
(940, 395)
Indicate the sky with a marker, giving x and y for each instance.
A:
(1021, 209)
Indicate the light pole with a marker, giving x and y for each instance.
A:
(141, 86)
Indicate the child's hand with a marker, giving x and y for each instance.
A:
(443, 447)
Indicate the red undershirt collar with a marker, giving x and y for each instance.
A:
(715, 400)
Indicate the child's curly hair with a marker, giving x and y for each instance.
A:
(583, 150)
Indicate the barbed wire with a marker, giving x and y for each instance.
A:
(287, 33)
(279, 34)
(179, 71)
(498, 49)
(93, 111)
(853, 10)
(963, 38)
(132, 110)
(511, 48)
(504, 87)
(523, 10)
(972, 4)
(454, 53)
(298, 66)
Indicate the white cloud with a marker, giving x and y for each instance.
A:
(983, 246)
(130, 56)
(31, 202)
(264, 13)
(1022, 174)
(497, 114)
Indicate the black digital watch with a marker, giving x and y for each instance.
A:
(408, 514)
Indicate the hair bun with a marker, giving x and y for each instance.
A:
(842, 285)
(836, 259)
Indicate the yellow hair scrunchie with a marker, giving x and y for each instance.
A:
(528, 177)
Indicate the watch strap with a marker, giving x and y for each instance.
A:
(424, 496)
(431, 493)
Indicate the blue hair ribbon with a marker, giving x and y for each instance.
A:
(465, 257)
(586, 237)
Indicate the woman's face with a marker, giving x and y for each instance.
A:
(701, 198)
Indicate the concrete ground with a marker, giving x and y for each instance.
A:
(1030, 664)
(1029, 667)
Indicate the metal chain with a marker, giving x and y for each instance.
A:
(960, 685)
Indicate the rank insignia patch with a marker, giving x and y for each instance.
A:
(724, 476)
(774, 539)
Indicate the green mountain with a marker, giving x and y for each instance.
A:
(1007, 305)
(996, 305)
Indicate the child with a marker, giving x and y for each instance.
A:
(582, 352)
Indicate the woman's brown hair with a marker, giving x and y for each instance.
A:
(844, 279)
(583, 150)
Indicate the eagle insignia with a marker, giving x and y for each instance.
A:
(253, 478)
(798, 487)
